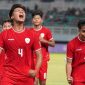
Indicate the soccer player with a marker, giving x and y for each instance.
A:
(7, 24)
(2, 60)
(19, 44)
(45, 36)
(75, 66)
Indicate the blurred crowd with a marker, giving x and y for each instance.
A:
(52, 17)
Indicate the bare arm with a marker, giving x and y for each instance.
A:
(39, 60)
(69, 70)
(50, 42)
(33, 73)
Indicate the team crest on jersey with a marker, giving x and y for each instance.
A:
(27, 40)
(42, 35)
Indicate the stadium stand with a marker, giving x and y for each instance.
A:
(57, 14)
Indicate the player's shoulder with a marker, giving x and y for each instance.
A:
(30, 29)
(73, 41)
(30, 32)
(46, 28)
(6, 31)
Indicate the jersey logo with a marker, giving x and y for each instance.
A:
(10, 39)
(27, 40)
(42, 35)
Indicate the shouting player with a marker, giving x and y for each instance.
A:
(45, 36)
(75, 67)
(19, 44)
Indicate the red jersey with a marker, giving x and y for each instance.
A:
(19, 49)
(46, 34)
(76, 51)
(2, 61)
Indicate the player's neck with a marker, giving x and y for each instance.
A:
(38, 27)
(81, 39)
(18, 27)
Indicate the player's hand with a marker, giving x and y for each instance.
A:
(1, 49)
(32, 73)
(36, 81)
(70, 80)
(42, 40)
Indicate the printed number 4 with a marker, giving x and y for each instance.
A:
(20, 52)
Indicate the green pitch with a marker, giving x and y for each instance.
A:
(56, 70)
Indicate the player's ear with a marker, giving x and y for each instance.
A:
(12, 16)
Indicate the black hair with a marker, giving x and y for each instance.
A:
(37, 12)
(81, 23)
(16, 6)
(8, 20)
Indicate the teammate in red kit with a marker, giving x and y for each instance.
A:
(2, 61)
(45, 36)
(19, 44)
(5, 25)
(75, 67)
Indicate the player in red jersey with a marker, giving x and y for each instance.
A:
(19, 44)
(75, 67)
(45, 36)
(5, 25)
(2, 60)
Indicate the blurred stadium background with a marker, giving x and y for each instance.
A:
(61, 16)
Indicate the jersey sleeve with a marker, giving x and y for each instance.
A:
(1, 40)
(69, 51)
(49, 35)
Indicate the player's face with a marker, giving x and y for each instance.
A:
(18, 15)
(37, 20)
(7, 25)
(82, 33)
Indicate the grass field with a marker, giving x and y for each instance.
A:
(56, 70)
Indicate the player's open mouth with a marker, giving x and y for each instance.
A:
(21, 16)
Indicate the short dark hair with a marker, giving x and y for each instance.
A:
(7, 20)
(81, 23)
(16, 6)
(37, 12)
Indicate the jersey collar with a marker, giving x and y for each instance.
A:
(37, 29)
(18, 31)
(80, 39)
